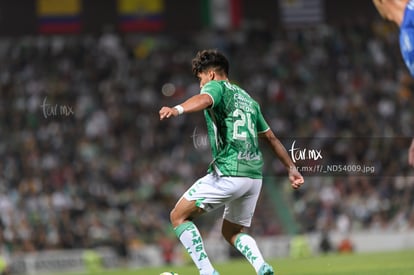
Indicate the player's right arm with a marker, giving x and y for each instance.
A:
(295, 178)
(193, 104)
(209, 96)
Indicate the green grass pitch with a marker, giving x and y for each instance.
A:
(384, 263)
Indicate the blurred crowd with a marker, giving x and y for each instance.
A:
(85, 161)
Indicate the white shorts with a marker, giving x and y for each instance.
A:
(239, 195)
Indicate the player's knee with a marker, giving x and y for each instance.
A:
(176, 218)
(173, 216)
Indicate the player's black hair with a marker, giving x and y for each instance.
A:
(210, 59)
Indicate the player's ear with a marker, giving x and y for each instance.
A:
(211, 74)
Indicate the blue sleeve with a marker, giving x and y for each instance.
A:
(407, 37)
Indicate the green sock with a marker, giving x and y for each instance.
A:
(248, 247)
(191, 239)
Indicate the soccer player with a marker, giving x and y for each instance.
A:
(234, 179)
(401, 12)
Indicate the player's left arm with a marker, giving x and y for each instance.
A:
(295, 177)
(407, 38)
(391, 10)
(411, 154)
(402, 13)
(193, 104)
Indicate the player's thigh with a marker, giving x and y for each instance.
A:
(211, 192)
(241, 209)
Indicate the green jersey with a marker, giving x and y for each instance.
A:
(233, 123)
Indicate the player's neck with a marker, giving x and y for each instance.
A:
(221, 77)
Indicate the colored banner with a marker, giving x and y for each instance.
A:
(222, 14)
(301, 12)
(59, 16)
(141, 15)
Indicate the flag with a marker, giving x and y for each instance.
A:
(301, 12)
(141, 15)
(222, 14)
(59, 16)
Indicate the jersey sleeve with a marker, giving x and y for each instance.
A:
(261, 123)
(214, 90)
(407, 37)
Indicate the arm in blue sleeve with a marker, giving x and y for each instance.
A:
(407, 37)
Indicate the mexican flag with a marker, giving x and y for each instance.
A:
(222, 14)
